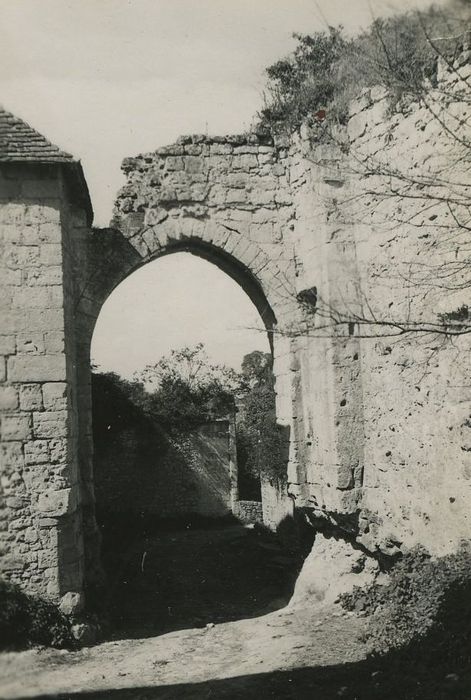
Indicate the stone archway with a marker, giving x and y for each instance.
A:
(232, 200)
(145, 478)
(271, 216)
(111, 259)
(225, 200)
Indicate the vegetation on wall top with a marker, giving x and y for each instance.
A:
(328, 69)
(178, 393)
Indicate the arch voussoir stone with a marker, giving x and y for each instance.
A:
(139, 244)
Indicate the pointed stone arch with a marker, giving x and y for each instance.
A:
(113, 256)
(244, 261)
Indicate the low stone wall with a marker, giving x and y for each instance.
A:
(140, 471)
(249, 511)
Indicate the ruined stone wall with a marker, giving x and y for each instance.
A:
(417, 398)
(41, 537)
(381, 243)
(227, 199)
(337, 253)
(140, 471)
(249, 511)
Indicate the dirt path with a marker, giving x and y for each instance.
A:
(247, 658)
(188, 619)
(179, 579)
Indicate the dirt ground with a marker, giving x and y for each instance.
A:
(186, 663)
(188, 618)
(172, 579)
(187, 607)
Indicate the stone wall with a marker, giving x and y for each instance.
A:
(379, 241)
(229, 201)
(340, 239)
(417, 394)
(41, 533)
(249, 511)
(141, 471)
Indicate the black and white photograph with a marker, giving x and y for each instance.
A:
(235, 349)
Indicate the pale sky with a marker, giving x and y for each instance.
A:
(106, 79)
(177, 313)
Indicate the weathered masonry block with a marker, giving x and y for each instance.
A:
(377, 428)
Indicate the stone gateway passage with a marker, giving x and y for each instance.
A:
(378, 426)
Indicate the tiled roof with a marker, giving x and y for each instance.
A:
(20, 143)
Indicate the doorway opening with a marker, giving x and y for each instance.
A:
(181, 364)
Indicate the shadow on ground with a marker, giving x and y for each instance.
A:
(361, 681)
(169, 576)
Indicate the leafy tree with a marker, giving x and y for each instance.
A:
(404, 54)
(119, 404)
(260, 443)
(304, 82)
(190, 366)
(116, 402)
(179, 392)
(256, 369)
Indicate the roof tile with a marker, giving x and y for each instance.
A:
(21, 143)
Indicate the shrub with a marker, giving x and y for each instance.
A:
(426, 606)
(26, 620)
(186, 389)
(175, 403)
(179, 407)
(303, 82)
(327, 69)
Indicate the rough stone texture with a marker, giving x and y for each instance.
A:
(416, 393)
(378, 427)
(332, 568)
(402, 404)
(71, 603)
